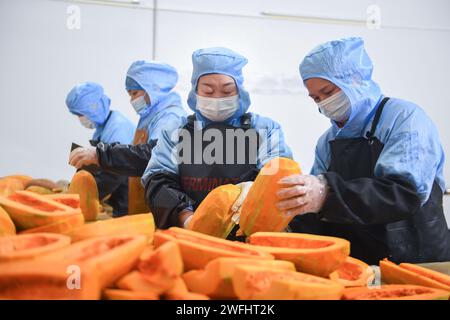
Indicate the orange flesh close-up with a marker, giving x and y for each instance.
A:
(35, 203)
(350, 271)
(35, 285)
(295, 243)
(100, 247)
(216, 245)
(68, 202)
(393, 293)
(25, 243)
(425, 274)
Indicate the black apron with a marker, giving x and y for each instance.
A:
(423, 237)
(198, 178)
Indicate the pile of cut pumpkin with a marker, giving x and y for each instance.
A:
(52, 247)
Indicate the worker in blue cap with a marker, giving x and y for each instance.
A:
(183, 170)
(150, 85)
(377, 179)
(88, 101)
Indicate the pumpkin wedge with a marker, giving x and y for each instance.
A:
(313, 254)
(111, 256)
(135, 281)
(213, 215)
(83, 183)
(64, 226)
(71, 200)
(263, 283)
(7, 227)
(198, 249)
(216, 279)
(31, 210)
(353, 273)
(30, 246)
(38, 280)
(128, 225)
(10, 185)
(407, 273)
(395, 292)
(259, 211)
(118, 294)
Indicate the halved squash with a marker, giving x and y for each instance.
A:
(263, 283)
(216, 279)
(163, 266)
(118, 294)
(30, 246)
(42, 280)
(198, 249)
(126, 225)
(313, 254)
(7, 227)
(71, 200)
(10, 185)
(407, 273)
(83, 183)
(64, 226)
(395, 292)
(24, 179)
(31, 210)
(259, 211)
(213, 215)
(135, 281)
(353, 273)
(112, 256)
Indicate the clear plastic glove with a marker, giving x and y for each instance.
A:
(81, 157)
(302, 194)
(237, 205)
(185, 218)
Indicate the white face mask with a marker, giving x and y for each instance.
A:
(217, 109)
(85, 122)
(139, 103)
(337, 107)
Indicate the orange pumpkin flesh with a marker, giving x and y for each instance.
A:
(83, 184)
(259, 211)
(30, 210)
(198, 249)
(127, 225)
(213, 215)
(118, 294)
(135, 281)
(64, 226)
(216, 279)
(71, 200)
(353, 273)
(111, 256)
(38, 280)
(313, 254)
(262, 283)
(7, 227)
(30, 246)
(406, 273)
(10, 185)
(395, 292)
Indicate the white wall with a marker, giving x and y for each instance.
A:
(41, 60)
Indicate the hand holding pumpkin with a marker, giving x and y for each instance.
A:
(81, 157)
(302, 194)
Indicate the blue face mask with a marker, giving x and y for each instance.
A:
(139, 104)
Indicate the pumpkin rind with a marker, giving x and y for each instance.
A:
(353, 273)
(395, 292)
(83, 183)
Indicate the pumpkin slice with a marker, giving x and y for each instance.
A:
(163, 266)
(112, 256)
(31, 210)
(71, 200)
(128, 225)
(198, 249)
(216, 279)
(83, 183)
(353, 273)
(43, 280)
(407, 273)
(395, 292)
(7, 227)
(213, 215)
(64, 226)
(10, 185)
(259, 211)
(21, 177)
(313, 254)
(118, 294)
(28, 246)
(263, 283)
(135, 281)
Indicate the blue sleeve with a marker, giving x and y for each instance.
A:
(412, 150)
(118, 129)
(321, 156)
(272, 140)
